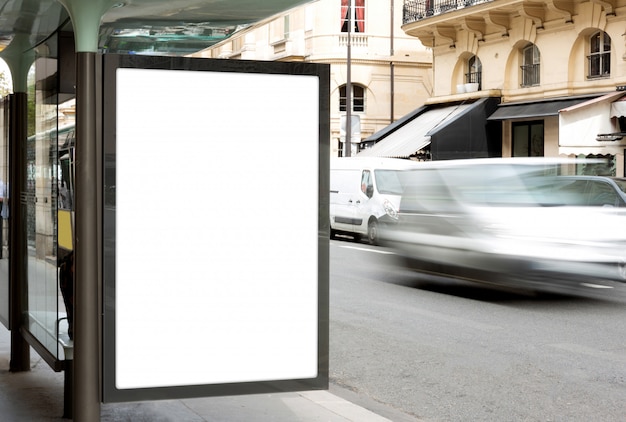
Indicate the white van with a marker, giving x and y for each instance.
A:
(364, 192)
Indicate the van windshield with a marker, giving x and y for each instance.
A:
(387, 182)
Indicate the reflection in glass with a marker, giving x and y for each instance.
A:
(47, 187)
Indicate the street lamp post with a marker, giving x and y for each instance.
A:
(348, 139)
(391, 64)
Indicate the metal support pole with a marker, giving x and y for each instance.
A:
(391, 65)
(86, 287)
(20, 349)
(348, 143)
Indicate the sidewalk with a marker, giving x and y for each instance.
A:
(37, 395)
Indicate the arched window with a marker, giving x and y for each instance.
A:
(599, 55)
(358, 15)
(530, 66)
(358, 98)
(474, 71)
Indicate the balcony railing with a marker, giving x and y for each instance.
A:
(415, 10)
(530, 75)
(356, 40)
(473, 77)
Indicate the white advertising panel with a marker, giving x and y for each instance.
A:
(217, 233)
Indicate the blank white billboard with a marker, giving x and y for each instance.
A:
(217, 202)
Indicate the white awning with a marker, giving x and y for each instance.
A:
(598, 150)
(580, 124)
(414, 135)
(618, 108)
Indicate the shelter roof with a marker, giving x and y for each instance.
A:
(172, 27)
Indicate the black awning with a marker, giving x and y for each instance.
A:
(541, 108)
(453, 130)
(415, 135)
(470, 135)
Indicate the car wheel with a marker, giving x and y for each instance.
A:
(372, 232)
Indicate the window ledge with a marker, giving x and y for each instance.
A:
(281, 41)
(595, 77)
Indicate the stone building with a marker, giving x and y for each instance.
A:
(557, 70)
(390, 71)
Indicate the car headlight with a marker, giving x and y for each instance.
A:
(390, 209)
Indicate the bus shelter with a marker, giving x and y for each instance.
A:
(136, 205)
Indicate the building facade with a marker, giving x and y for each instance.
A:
(557, 68)
(390, 72)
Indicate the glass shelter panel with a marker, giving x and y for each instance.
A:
(4, 215)
(46, 312)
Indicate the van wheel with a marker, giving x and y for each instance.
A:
(372, 232)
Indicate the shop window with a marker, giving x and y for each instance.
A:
(358, 15)
(599, 57)
(530, 66)
(528, 139)
(358, 98)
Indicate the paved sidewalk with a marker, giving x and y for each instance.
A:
(37, 395)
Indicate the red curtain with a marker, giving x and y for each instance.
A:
(359, 7)
(344, 13)
(359, 15)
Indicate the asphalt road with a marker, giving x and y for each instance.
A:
(411, 347)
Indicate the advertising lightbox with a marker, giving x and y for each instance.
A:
(215, 227)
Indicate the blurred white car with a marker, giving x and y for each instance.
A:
(501, 221)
